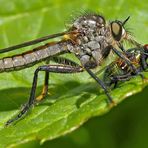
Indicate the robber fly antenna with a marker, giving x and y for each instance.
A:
(124, 22)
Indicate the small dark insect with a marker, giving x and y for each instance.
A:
(118, 70)
(90, 38)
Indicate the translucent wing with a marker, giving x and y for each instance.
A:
(32, 42)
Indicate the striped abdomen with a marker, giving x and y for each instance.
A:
(30, 58)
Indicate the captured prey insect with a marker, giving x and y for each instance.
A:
(118, 70)
(90, 38)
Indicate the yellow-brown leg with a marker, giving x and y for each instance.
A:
(45, 88)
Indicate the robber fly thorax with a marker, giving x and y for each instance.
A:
(95, 38)
(90, 38)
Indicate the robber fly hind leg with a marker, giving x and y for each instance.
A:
(59, 60)
(46, 68)
(45, 86)
(44, 89)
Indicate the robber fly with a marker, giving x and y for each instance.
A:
(90, 38)
(118, 70)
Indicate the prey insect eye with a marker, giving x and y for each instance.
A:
(146, 47)
(117, 30)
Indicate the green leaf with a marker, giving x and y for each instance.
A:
(73, 99)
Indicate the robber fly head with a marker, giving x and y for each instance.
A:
(120, 33)
(117, 29)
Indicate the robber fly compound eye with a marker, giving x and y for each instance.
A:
(117, 30)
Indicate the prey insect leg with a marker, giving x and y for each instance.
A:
(133, 68)
(129, 63)
(46, 68)
(116, 79)
(121, 55)
(143, 61)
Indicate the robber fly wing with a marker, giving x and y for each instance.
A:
(32, 42)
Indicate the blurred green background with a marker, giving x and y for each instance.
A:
(125, 126)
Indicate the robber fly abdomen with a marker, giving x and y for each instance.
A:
(30, 58)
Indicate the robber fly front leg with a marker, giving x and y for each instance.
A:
(101, 83)
(48, 69)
